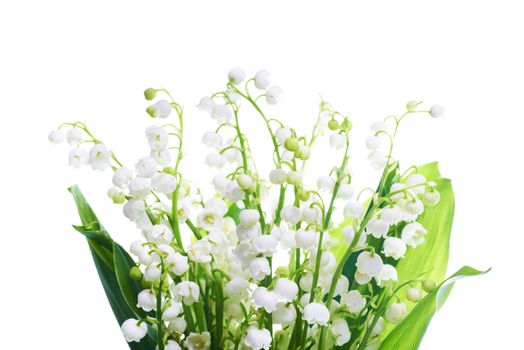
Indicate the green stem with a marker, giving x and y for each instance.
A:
(160, 323)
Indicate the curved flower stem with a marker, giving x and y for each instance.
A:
(160, 323)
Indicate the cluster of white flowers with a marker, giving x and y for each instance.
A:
(228, 286)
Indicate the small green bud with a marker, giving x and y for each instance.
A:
(303, 152)
(431, 197)
(325, 106)
(303, 195)
(150, 94)
(282, 271)
(119, 198)
(291, 144)
(413, 295)
(411, 106)
(429, 285)
(151, 111)
(333, 125)
(169, 170)
(145, 284)
(245, 182)
(135, 273)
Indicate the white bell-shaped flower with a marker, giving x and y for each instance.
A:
(78, 157)
(157, 137)
(146, 300)
(164, 183)
(284, 314)
(237, 288)
(262, 298)
(282, 134)
(316, 313)
(99, 157)
(377, 227)
(172, 311)
(121, 177)
(354, 301)
(74, 136)
(387, 274)
(210, 220)
(391, 214)
(139, 187)
(133, 330)
(436, 111)
(259, 268)
(152, 273)
(273, 94)
(200, 251)
(160, 234)
(257, 338)
(368, 263)
(325, 183)
(340, 330)
(206, 104)
(56, 136)
(346, 191)
(146, 167)
(236, 75)
(185, 291)
(265, 245)
(413, 234)
(277, 176)
(285, 289)
(198, 341)
(396, 312)
(362, 278)
(262, 79)
(290, 214)
(337, 141)
(221, 114)
(134, 209)
(354, 210)
(160, 109)
(305, 239)
(172, 345)
(394, 247)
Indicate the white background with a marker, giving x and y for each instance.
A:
(72, 60)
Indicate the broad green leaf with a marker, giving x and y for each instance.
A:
(120, 308)
(129, 287)
(431, 258)
(112, 263)
(409, 333)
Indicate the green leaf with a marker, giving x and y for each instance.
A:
(112, 263)
(431, 258)
(234, 212)
(128, 286)
(120, 308)
(409, 333)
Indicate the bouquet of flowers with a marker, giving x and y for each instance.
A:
(264, 262)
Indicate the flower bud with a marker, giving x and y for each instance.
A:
(245, 181)
(431, 197)
(150, 94)
(413, 295)
(303, 152)
(436, 111)
(429, 285)
(291, 144)
(56, 136)
(135, 273)
(333, 125)
(411, 106)
(277, 176)
(303, 195)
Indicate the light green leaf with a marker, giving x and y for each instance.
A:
(409, 333)
(431, 258)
